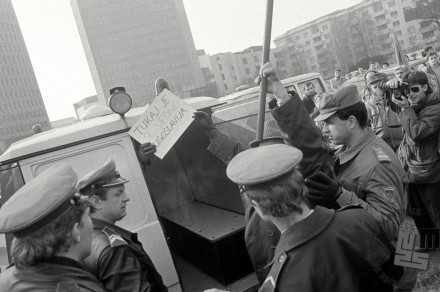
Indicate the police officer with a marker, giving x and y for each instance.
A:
(118, 259)
(269, 176)
(363, 159)
(52, 234)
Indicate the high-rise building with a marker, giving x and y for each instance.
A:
(21, 104)
(131, 43)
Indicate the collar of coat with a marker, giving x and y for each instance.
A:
(346, 155)
(305, 230)
(100, 224)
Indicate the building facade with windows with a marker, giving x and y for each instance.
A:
(21, 104)
(366, 30)
(131, 43)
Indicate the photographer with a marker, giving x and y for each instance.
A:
(419, 150)
(381, 112)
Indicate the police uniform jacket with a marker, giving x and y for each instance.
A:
(419, 151)
(374, 167)
(119, 261)
(336, 83)
(58, 274)
(328, 251)
(262, 237)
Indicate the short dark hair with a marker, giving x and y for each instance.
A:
(308, 83)
(281, 196)
(99, 192)
(386, 63)
(417, 77)
(358, 110)
(427, 48)
(432, 54)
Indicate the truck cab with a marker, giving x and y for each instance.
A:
(188, 215)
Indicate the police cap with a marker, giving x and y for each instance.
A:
(342, 98)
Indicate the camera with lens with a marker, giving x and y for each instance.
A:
(403, 89)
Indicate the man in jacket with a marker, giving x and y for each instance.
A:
(338, 80)
(117, 259)
(302, 259)
(419, 150)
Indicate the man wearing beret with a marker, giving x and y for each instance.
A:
(319, 249)
(118, 259)
(338, 80)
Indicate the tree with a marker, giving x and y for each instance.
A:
(428, 10)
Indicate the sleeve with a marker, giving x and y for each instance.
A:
(294, 120)
(383, 198)
(418, 128)
(121, 271)
(224, 147)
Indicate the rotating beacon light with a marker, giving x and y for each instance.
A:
(119, 101)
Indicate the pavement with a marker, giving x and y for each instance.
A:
(429, 280)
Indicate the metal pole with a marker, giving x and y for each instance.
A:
(263, 85)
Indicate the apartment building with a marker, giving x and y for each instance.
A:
(21, 104)
(131, 43)
(344, 37)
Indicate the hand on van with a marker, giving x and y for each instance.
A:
(274, 84)
(205, 122)
(146, 151)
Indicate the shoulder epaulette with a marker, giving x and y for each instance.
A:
(114, 238)
(352, 206)
(380, 154)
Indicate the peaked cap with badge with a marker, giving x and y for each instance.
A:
(40, 202)
(342, 98)
(263, 164)
(106, 176)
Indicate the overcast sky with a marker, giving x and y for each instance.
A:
(60, 65)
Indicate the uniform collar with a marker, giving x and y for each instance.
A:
(305, 230)
(101, 224)
(345, 154)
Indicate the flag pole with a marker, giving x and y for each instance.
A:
(263, 85)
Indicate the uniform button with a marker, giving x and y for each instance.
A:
(281, 258)
(270, 233)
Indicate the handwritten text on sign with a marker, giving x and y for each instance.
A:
(164, 121)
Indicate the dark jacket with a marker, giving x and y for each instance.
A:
(375, 168)
(329, 251)
(58, 274)
(419, 150)
(119, 261)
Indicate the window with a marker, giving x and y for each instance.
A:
(308, 43)
(247, 71)
(320, 47)
(411, 29)
(365, 13)
(325, 27)
(245, 61)
(255, 59)
(398, 33)
(223, 76)
(315, 29)
(386, 46)
(382, 27)
(378, 7)
(306, 34)
(393, 14)
(327, 36)
(309, 52)
(316, 39)
(298, 37)
(396, 23)
(220, 67)
(380, 17)
(412, 40)
(392, 3)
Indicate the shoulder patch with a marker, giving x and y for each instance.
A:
(380, 154)
(114, 238)
(388, 193)
(352, 206)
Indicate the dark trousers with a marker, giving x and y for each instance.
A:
(424, 206)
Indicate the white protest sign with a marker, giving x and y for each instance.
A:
(163, 122)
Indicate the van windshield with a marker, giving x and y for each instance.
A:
(319, 87)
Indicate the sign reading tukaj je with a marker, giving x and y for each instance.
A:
(163, 122)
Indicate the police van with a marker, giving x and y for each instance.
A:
(188, 215)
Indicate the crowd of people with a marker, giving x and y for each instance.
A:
(331, 180)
